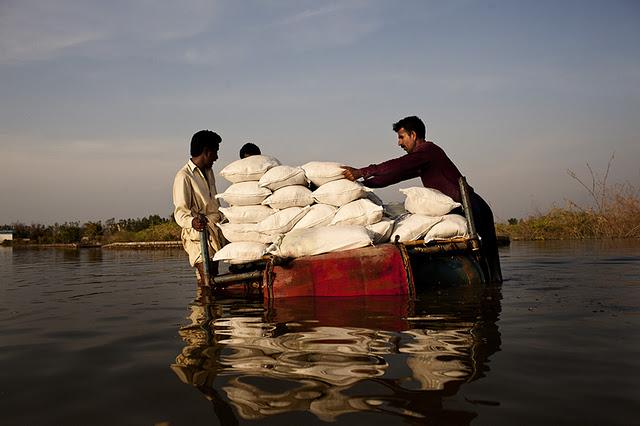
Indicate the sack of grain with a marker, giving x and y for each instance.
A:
(281, 176)
(321, 172)
(236, 232)
(452, 225)
(244, 193)
(325, 239)
(413, 226)
(428, 201)
(281, 221)
(339, 192)
(318, 215)
(289, 196)
(358, 212)
(246, 214)
(381, 231)
(241, 252)
(249, 168)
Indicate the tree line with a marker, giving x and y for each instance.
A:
(92, 231)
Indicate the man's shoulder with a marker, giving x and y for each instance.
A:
(186, 169)
(184, 172)
(428, 146)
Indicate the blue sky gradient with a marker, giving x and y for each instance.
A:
(100, 99)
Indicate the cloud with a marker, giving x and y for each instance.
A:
(332, 25)
(35, 30)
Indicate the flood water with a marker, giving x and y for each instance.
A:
(121, 337)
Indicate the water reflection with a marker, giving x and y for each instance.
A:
(330, 357)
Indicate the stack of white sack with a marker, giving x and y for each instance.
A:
(269, 202)
(429, 217)
(245, 210)
(346, 215)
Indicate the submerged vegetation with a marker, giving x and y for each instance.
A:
(614, 213)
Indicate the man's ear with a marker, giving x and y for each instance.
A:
(413, 134)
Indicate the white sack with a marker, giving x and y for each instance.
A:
(381, 231)
(325, 239)
(318, 215)
(249, 168)
(290, 196)
(281, 221)
(321, 172)
(236, 232)
(281, 176)
(428, 201)
(413, 226)
(452, 225)
(339, 192)
(358, 212)
(241, 252)
(246, 214)
(244, 193)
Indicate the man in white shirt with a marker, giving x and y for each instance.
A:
(194, 191)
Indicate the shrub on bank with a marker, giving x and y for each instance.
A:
(615, 213)
(167, 231)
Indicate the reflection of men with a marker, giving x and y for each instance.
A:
(194, 190)
(428, 161)
(249, 149)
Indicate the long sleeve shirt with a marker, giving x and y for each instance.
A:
(427, 161)
(193, 194)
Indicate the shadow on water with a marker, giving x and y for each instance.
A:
(341, 358)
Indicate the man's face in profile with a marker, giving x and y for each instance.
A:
(407, 141)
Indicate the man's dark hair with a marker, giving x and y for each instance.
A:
(249, 149)
(411, 124)
(204, 139)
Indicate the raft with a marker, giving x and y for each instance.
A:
(389, 269)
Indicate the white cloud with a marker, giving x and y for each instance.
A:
(34, 30)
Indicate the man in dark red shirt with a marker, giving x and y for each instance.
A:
(428, 161)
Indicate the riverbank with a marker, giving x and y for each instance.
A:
(118, 245)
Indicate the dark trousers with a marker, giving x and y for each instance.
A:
(483, 219)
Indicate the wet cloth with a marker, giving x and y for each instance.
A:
(194, 194)
(430, 163)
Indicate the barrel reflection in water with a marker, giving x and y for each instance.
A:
(330, 357)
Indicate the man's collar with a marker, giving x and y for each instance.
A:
(192, 166)
(422, 145)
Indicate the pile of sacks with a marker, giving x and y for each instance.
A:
(429, 217)
(272, 209)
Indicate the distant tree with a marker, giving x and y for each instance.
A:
(513, 221)
(92, 230)
(68, 233)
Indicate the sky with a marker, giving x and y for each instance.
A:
(99, 100)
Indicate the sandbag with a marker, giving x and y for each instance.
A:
(339, 192)
(290, 196)
(358, 212)
(413, 226)
(452, 225)
(244, 193)
(281, 176)
(321, 172)
(318, 215)
(428, 201)
(381, 231)
(324, 239)
(281, 221)
(246, 214)
(237, 232)
(241, 252)
(249, 168)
